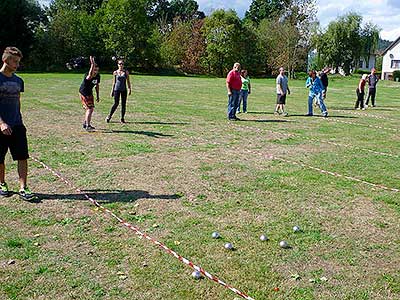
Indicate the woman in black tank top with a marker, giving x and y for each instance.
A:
(119, 90)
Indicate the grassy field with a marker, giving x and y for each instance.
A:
(179, 171)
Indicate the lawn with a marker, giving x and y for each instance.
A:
(179, 171)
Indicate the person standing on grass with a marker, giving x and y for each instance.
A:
(316, 88)
(372, 80)
(325, 80)
(119, 90)
(282, 89)
(233, 86)
(245, 91)
(13, 132)
(360, 93)
(91, 80)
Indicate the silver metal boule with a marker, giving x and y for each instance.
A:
(284, 244)
(196, 275)
(263, 238)
(296, 229)
(228, 246)
(215, 235)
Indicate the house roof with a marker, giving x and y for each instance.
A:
(391, 46)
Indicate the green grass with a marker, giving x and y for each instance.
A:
(179, 171)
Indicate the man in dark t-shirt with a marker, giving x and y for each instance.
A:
(12, 129)
(91, 80)
(372, 80)
(325, 81)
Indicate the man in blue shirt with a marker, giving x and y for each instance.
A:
(12, 129)
(316, 90)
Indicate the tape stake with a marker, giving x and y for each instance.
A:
(141, 234)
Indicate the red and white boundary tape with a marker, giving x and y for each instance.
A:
(144, 235)
(380, 186)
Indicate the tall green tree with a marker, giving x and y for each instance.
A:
(126, 30)
(222, 32)
(264, 9)
(370, 40)
(20, 20)
(341, 44)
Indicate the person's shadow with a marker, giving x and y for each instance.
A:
(107, 196)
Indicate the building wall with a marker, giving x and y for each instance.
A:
(392, 55)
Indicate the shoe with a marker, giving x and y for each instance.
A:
(363, 108)
(236, 118)
(238, 111)
(108, 119)
(232, 119)
(84, 125)
(90, 128)
(276, 113)
(373, 105)
(123, 121)
(26, 194)
(309, 115)
(245, 112)
(4, 192)
(285, 114)
(366, 105)
(325, 114)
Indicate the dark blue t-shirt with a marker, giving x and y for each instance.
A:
(10, 107)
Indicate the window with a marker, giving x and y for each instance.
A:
(395, 64)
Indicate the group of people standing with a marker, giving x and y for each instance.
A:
(372, 80)
(121, 88)
(238, 87)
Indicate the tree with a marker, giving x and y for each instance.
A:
(264, 9)
(125, 28)
(341, 44)
(222, 33)
(370, 40)
(20, 20)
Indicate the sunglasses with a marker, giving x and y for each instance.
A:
(120, 64)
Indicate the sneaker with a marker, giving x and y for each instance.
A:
(245, 112)
(363, 108)
(84, 125)
(108, 119)
(325, 114)
(123, 121)
(4, 192)
(90, 127)
(309, 115)
(373, 105)
(285, 114)
(366, 105)
(26, 194)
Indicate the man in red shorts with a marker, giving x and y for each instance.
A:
(91, 80)
(233, 86)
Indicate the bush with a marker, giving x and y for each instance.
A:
(396, 74)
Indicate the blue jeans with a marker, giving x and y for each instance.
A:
(243, 96)
(321, 103)
(233, 103)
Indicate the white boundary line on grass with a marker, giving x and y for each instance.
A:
(141, 234)
(374, 185)
(362, 125)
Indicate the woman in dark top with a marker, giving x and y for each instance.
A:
(119, 91)
(91, 80)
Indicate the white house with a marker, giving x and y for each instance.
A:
(391, 60)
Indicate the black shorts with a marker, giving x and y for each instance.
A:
(280, 99)
(16, 142)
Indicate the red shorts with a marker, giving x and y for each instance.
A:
(87, 101)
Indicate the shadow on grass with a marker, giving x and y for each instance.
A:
(138, 132)
(264, 121)
(320, 116)
(157, 123)
(369, 109)
(108, 196)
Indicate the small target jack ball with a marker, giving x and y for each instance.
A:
(228, 246)
(296, 229)
(114, 58)
(196, 275)
(215, 235)
(284, 244)
(263, 238)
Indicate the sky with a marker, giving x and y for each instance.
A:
(384, 13)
